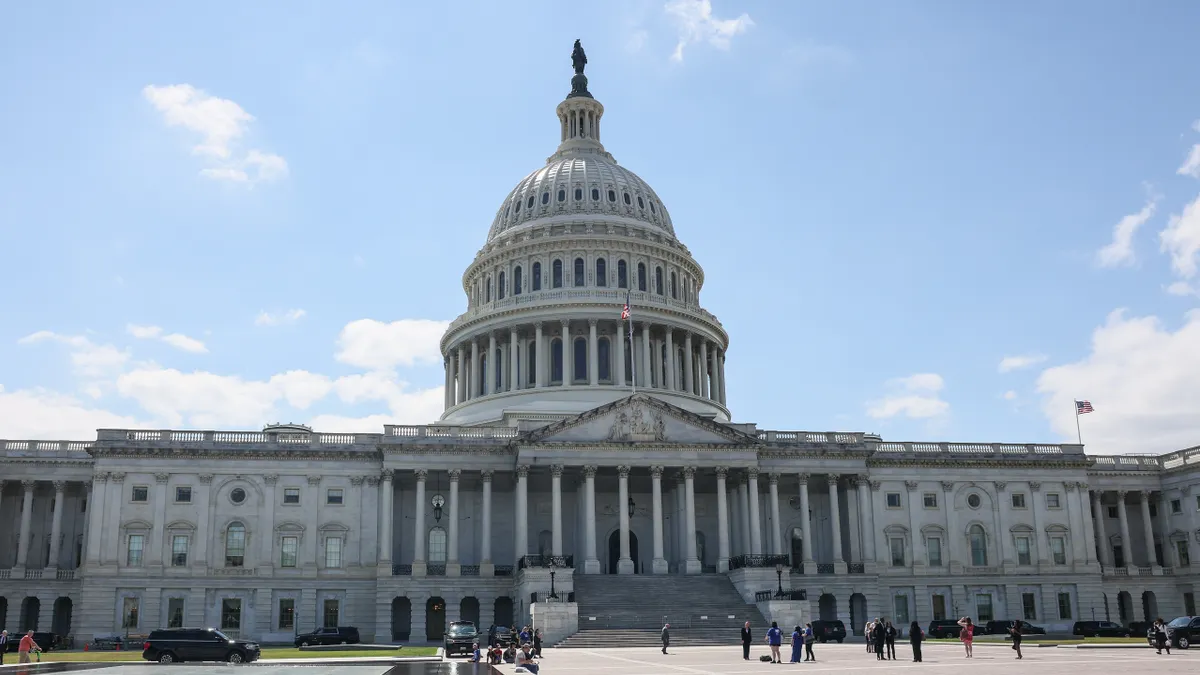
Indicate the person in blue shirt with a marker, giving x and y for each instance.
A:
(475, 655)
(797, 644)
(809, 639)
(775, 639)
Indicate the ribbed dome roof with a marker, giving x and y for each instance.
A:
(581, 185)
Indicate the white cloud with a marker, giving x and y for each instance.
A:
(222, 123)
(1181, 239)
(88, 358)
(1120, 251)
(265, 318)
(915, 396)
(1011, 363)
(376, 345)
(696, 23)
(42, 414)
(176, 340)
(1183, 288)
(1010, 395)
(1191, 165)
(1142, 378)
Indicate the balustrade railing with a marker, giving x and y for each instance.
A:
(1145, 570)
(538, 561)
(825, 568)
(785, 594)
(468, 570)
(758, 560)
(856, 568)
(503, 570)
(402, 570)
(438, 570)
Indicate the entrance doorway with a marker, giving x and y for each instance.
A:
(435, 619)
(401, 619)
(614, 551)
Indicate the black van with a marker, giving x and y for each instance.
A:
(828, 631)
(1184, 631)
(1099, 629)
(943, 628)
(197, 644)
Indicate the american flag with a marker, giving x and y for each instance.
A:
(625, 309)
(1083, 407)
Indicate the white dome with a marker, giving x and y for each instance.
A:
(581, 185)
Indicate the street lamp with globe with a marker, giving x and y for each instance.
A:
(779, 575)
(553, 564)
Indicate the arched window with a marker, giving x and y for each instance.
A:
(674, 286)
(612, 196)
(622, 274)
(658, 280)
(595, 194)
(556, 360)
(641, 276)
(601, 272)
(437, 545)
(545, 197)
(605, 372)
(537, 277)
(517, 281)
(581, 360)
(499, 361)
(562, 195)
(235, 545)
(529, 203)
(641, 204)
(530, 359)
(578, 194)
(579, 272)
(487, 297)
(556, 275)
(628, 201)
(978, 545)
(482, 374)
(501, 287)
(545, 543)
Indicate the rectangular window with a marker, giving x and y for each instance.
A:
(141, 493)
(900, 607)
(333, 552)
(897, 544)
(934, 545)
(1023, 557)
(1118, 556)
(1176, 506)
(134, 557)
(1064, 605)
(1198, 502)
(287, 613)
(175, 613)
(1181, 551)
(1112, 511)
(129, 613)
(1058, 549)
(939, 607)
(983, 607)
(1158, 554)
(287, 551)
(1189, 603)
(291, 495)
(893, 500)
(333, 496)
(1018, 500)
(930, 500)
(231, 614)
(1053, 501)
(183, 494)
(1029, 606)
(179, 550)
(331, 613)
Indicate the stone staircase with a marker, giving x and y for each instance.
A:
(629, 611)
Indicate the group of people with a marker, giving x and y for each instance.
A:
(802, 640)
(498, 652)
(881, 639)
(24, 647)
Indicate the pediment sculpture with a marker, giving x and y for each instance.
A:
(638, 423)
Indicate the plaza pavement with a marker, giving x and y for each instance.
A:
(834, 658)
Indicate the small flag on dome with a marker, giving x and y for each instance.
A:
(1083, 407)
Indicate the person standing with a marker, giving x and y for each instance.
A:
(889, 636)
(775, 640)
(537, 643)
(797, 644)
(915, 637)
(747, 638)
(1015, 632)
(3, 645)
(26, 645)
(809, 639)
(666, 636)
(967, 633)
(867, 630)
(878, 637)
(1162, 638)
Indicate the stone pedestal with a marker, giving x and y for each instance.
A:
(556, 620)
(659, 566)
(591, 566)
(487, 570)
(693, 566)
(419, 569)
(788, 613)
(722, 565)
(624, 566)
(453, 569)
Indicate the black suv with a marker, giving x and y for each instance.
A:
(461, 636)
(501, 634)
(943, 628)
(1184, 631)
(341, 635)
(1099, 629)
(826, 631)
(1002, 628)
(197, 644)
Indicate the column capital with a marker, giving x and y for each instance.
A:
(589, 471)
(623, 471)
(28, 484)
(538, 325)
(875, 485)
(773, 478)
(1035, 486)
(1145, 494)
(271, 478)
(803, 478)
(421, 475)
(60, 486)
(387, 475)
(1070, 486)
(100, 477)
(1121, 494)
(117, 477)
(206, 478)
(722, 471)
(454, 474)
(486, 475)
(314, 480)
(161, 477)
(947, 486)
(911, 485)
(689, 472)
(646, 325)
(522, 471)
(592, 323)
(752, 474)
(356, 481)
(832, 479)
(1000, 485)
(373, 481)
(556, 470)
(1083, 486)
(656, 472)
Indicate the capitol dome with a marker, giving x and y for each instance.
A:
(544, 335)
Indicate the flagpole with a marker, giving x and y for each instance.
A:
(632, 354)
(1078, 433)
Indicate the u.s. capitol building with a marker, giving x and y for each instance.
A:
(569, 446)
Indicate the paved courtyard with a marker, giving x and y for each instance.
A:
(833, 658)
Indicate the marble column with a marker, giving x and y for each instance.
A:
(756, 543)
(773, 495)
(60, 489)
(23, 542)
(461, 394)
(721, 367)
(522, 525)
(867, 517)
(386, 495)
(1126, 540)
(625, 565)
(693, 565)
(1170, 557)
(594, 355)
(556, 526)
(539, 354)
(659, 564)
(490, 361)
(568, 355)
(1041, 547)
(452, 564)
(806, 527)
(689, 383)
(669, 380)
(704, 368)
(679, 543)
(1101, 535)
(618, 342)
(645, 379)
(514, 361)
(419, 563)
(95, 521)
(486, 567)
(591, 565)
(735, 517)
(722, 522)
(744, 514)
(474, 374)
(447, 388)
(1148, 524)
(835, 514)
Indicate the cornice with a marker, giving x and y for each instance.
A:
(287, 453)
(961, 462)
(581, 242)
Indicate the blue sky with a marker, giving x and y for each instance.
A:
(931, 220)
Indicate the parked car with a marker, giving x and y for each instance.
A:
(501, 634)
(46, 641)
(1137, 628)
(1184, 631)
(460, 637)
(1099, 629)
(1002, 628)
(826, 631)
(197, 644)
(943, 628)
(341, 635)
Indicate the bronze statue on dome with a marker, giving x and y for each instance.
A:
(578, 58)
(579, 81)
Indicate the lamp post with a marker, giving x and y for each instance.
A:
(553, 564)
(779, 575)
(632, 507)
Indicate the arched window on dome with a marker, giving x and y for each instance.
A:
(536, 282)
(652, 210)
(658, 286)
(487, 294)
(530, 360)
(601, 272)
(562, 195)
(679, 366)
(622, 274)
(516, 206)
(580, 349)
(481, 376)
(628, 201)
(579, 272)
(556, 275)
(604, 372)
(556, 361)
(529, 202)
(641, 276)
(641, 204)
(674, 286)
(578, 194)
(500, 288)
(595, 194)
(612, 195)
(545, 198)
(498, 359)
(517, 280)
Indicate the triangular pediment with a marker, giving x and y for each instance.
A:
(640, 419)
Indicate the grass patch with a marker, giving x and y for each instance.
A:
(267, 653)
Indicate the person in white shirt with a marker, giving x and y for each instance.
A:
(525, 659)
